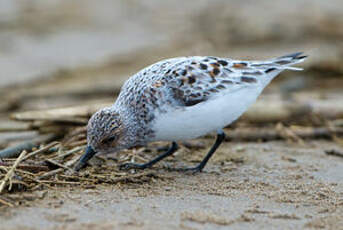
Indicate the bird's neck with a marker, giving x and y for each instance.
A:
(135, 130)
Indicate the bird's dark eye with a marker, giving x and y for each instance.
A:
(109, 140)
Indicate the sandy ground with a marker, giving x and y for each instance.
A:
(271, 185)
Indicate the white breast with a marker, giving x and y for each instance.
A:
(198, 120)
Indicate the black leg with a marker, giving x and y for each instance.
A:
(199, 168)
(169, 152)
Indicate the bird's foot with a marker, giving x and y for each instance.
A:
(192, 170)
(128, 166)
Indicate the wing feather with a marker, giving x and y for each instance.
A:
(203, 78)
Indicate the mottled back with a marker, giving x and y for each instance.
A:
(187, 81)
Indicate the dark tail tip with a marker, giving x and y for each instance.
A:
(296, 55)
(301, 57)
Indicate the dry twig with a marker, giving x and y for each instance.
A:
(29, 168)
(45, 148)
(4, 202)
(11, 171)
(16, 150)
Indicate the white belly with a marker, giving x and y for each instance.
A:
(198, 120)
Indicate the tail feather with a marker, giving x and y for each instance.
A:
(293, 68)
(293, 55)
(287, 61)
(276, 65)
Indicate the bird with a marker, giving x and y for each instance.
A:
(179, 99)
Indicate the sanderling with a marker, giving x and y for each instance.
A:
(178, 99)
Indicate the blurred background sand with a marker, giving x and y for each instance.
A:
(39, 38)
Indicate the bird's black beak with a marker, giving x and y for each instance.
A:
(89, 153)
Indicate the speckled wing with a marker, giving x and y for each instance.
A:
(198, 79)
(201, 79)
